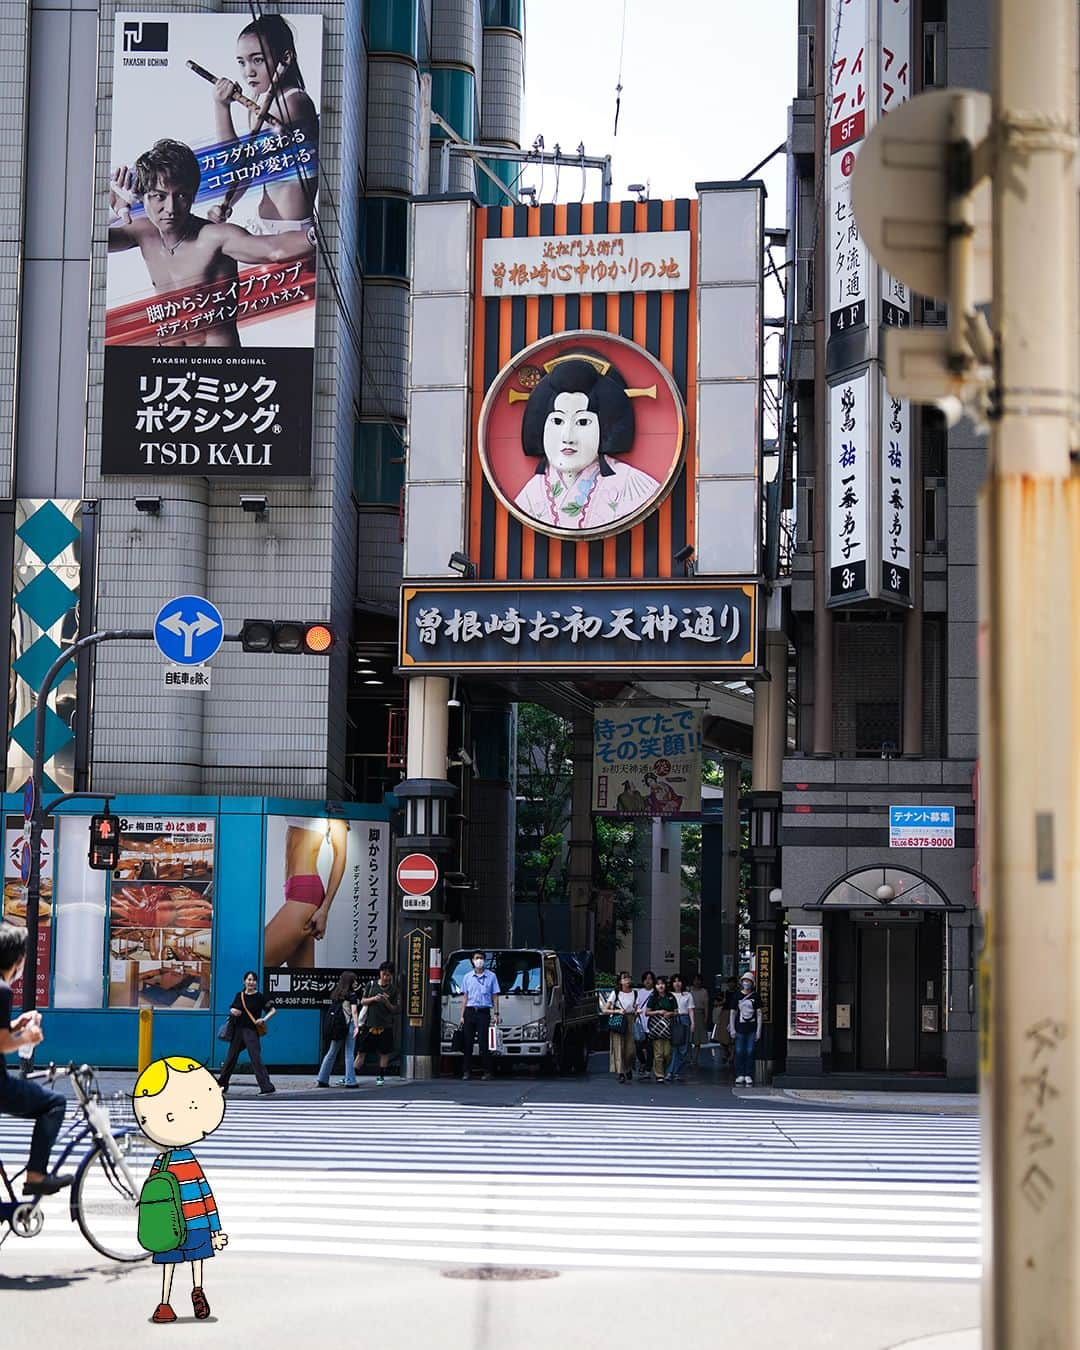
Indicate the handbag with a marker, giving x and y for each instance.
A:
(259, 1027)
(224, 1032)
(457, 1041)
(680, 1033)
(641, 1035)
(659, 1027)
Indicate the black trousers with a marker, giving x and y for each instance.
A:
(43, 1106)
(245, 1038)
(475, 1023)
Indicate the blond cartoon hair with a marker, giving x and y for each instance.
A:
(153, 1078)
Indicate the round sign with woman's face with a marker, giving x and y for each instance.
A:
(582, 434)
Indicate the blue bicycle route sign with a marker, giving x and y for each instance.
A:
(188, 630)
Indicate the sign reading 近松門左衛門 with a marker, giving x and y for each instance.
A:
(519, 627)
(211, 277)
(583, 264)
(922, 826)
(647, 761)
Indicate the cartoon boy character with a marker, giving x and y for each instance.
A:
(178, 1102)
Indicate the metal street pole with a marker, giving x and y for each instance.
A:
(1030, 695)
(37, 773)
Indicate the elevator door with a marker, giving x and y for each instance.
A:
(888, 998)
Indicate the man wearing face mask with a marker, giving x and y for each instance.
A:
(479, 1005)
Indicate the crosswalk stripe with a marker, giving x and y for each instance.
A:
(760, 1190)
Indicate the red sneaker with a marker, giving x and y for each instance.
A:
(199, 1303)
(163, 1313)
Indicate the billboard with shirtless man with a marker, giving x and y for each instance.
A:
(213, 194)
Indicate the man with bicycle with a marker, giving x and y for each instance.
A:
(18, 1096)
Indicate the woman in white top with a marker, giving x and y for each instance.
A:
(621, 1007)
(683, 1029)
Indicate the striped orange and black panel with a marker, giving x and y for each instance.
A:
(663, 322)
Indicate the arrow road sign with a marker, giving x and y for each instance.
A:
(417, 874)
(188, 630)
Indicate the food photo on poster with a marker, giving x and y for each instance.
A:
(582, 434)
(16, 838)
(326, 904)
(161, 914)
(210, 293)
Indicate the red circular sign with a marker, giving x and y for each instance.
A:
(847, 163)
(417, 874)
(581, 434)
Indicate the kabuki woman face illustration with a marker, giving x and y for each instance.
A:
(578, 414)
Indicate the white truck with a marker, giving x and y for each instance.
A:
(548, 1009)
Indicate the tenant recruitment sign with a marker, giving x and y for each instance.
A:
(210, 292)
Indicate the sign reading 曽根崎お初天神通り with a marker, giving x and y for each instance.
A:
(515, 627)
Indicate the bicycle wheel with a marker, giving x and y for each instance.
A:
(105, 1205)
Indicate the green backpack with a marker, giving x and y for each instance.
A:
(162, 1226)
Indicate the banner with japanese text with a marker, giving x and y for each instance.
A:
(161, 913)
(849, 488)
(210, 286)
(326, 906)
(647, 761)
(686, 625)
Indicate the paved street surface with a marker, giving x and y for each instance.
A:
(589, 1184)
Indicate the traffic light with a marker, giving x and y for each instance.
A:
(104, 843)
(292, 637)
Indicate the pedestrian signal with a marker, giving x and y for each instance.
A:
(292, 637)
(104, 843)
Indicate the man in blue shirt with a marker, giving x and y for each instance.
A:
(479, 1004)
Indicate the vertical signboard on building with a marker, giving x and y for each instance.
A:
(870, 64)
(895, 487)
(849, 487)
(161, 913)
(804, 966)
(847, 113)
(327, 905)
(210, 289)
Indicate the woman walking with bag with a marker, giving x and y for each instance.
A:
(248, 1016)
(341, 1027)
(682, 1028)
(621, 1008)
(662, 1010)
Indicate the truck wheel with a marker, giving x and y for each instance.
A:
(555, 1062)
(568, 1057)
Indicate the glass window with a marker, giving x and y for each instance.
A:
(79, 907)
(504, 14)
(384, 236)
(378, 464)
(517, 972)
(453, 97)
(392, 26)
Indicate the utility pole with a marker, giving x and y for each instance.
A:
(1030, 694)
(918, 187)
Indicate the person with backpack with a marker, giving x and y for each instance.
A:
(177, 1104)
(341, 1028)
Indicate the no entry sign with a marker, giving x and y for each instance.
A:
(417, 874)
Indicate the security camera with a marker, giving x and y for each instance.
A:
(254, 505)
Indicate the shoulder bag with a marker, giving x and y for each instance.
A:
(659, 1026)
(617, 1020)
(680, 1032)
(225, 1031)
(259, 1027)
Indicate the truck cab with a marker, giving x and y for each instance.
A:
(547, 1005)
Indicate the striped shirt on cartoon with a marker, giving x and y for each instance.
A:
(200, 1209)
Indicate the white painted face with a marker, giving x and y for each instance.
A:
(571, 434)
